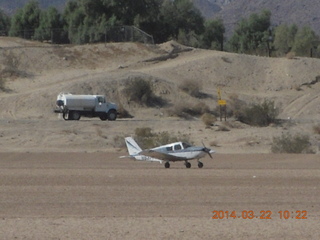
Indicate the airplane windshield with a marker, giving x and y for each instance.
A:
(186, 145)
(177, 147)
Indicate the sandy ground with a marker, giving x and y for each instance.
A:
(99, 196)
(33, 74)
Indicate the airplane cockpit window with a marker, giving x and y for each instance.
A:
(186, 145)
(169, 149)
(177, 147)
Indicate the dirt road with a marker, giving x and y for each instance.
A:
(99, 196)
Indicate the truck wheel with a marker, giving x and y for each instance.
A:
(64, 116)
(104, 117)
(112, 115)
(75, 115)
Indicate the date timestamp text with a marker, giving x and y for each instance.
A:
(263, 214)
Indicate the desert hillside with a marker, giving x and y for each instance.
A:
(32, 74)
(299, 12)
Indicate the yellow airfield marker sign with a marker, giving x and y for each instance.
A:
(222, 102)
(222, 105)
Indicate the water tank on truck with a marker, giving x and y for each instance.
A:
(73, 107)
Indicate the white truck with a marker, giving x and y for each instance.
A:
(73, 107)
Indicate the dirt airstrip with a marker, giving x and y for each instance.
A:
(99, 196)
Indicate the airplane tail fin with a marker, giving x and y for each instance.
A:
(132, 146)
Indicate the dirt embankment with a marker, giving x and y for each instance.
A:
(32, 74)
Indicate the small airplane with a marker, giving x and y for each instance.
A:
(173, 152)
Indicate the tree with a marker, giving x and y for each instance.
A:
(177, 16)
(73, 16)
(213, 35)
(149, 19)
(26, 20)
(252, 35)
(87, 20)
(50, 26)
(304, 41)
(284, 38)
(4, 23)
(126, 11)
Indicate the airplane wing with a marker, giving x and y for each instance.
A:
(162, 155)
(146, 158)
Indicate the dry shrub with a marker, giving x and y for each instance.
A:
(297, 87)
(191, 87)
(123, 113)
(208, 119)
(10, 70)
(214, 144)
(223, 128)
(235, 105)
(259, 114)
(148, 139)
(140, 91)
(2, 84)
(287, 143)
(143, 132)
(118, 141)
(199, 109)
(316, 129)
(290, 55)
(188, 110)
(100, 132)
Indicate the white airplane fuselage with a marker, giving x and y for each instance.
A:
(173, 152)
(181, 150)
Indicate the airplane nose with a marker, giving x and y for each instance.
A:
(208, 150)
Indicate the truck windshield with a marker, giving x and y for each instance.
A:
(101, 99)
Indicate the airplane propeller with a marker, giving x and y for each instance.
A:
(206, 150)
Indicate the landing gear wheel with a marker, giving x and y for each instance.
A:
(188, 165)
(200, 164)
(167, 165)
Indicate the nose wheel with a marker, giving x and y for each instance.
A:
(167, 165)
(200, 164)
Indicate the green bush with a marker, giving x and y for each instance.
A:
(287, 143)
(259, 114)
